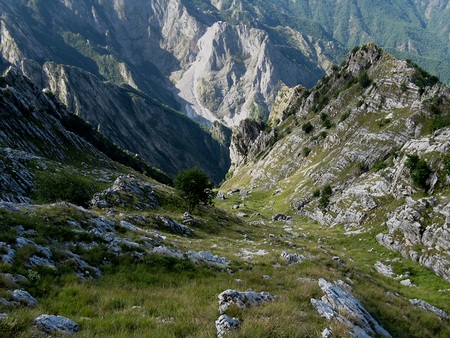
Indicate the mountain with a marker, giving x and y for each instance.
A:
(91, 246)
(367, 148)
(129, 117)
(416, 30)
(184, 55)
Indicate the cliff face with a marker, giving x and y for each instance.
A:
(181, 55)
(340, 153)
(98, 74)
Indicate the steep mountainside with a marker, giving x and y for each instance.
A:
(127, 116)
(365, 148)
(92, 247)
(417, 30)
(181, 54)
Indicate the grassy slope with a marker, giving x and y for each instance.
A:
(162, 297)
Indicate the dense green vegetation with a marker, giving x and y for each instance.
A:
(63, 186)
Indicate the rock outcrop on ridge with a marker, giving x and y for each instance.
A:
(341, 153)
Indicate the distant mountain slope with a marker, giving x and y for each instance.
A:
(364, 145)
(189, 55)
(418, 30)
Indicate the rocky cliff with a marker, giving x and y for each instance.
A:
(343, 153)
(192, 58)
(104, 91)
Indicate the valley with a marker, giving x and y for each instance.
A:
(325, 138)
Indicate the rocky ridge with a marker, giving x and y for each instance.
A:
(339, 153)
(191, 49)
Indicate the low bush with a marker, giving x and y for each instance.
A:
(63, 186)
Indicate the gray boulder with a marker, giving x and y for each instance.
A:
(127, 191)
(243, 300)
(56, 324)
(173, 226)
(208, 258)
(226, 324)
(23, 297)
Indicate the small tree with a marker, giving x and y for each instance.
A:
(194, 187)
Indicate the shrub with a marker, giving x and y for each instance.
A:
(418, 170)
(63, 186)
(447, 164)
(194, 187)
(307, 127)
(306, 151)
(325, 195)
(344, 117)
(364, 80)
(440, 121)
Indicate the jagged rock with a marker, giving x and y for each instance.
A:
(220, 195)
(430, 308)
(243, 300)
(56, 325)
(291, 258)
(127, 191)
(103, 228)
(226, 325)
(281, 217)
(241, 214)
(188, 219)
(208, 258)
(337, 301)
(385, 270)
(3, 316)
(339, 260)
(327, 333)
(173, 226)
(23, 297)
(8, 256)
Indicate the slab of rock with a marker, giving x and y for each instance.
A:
(385, 270)
(243, 300)
(337, 301)
(56, 324)
(208, 258)
(174, 226)
(428, 307)
(188, 219)
(226, 324)
(281, 217)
